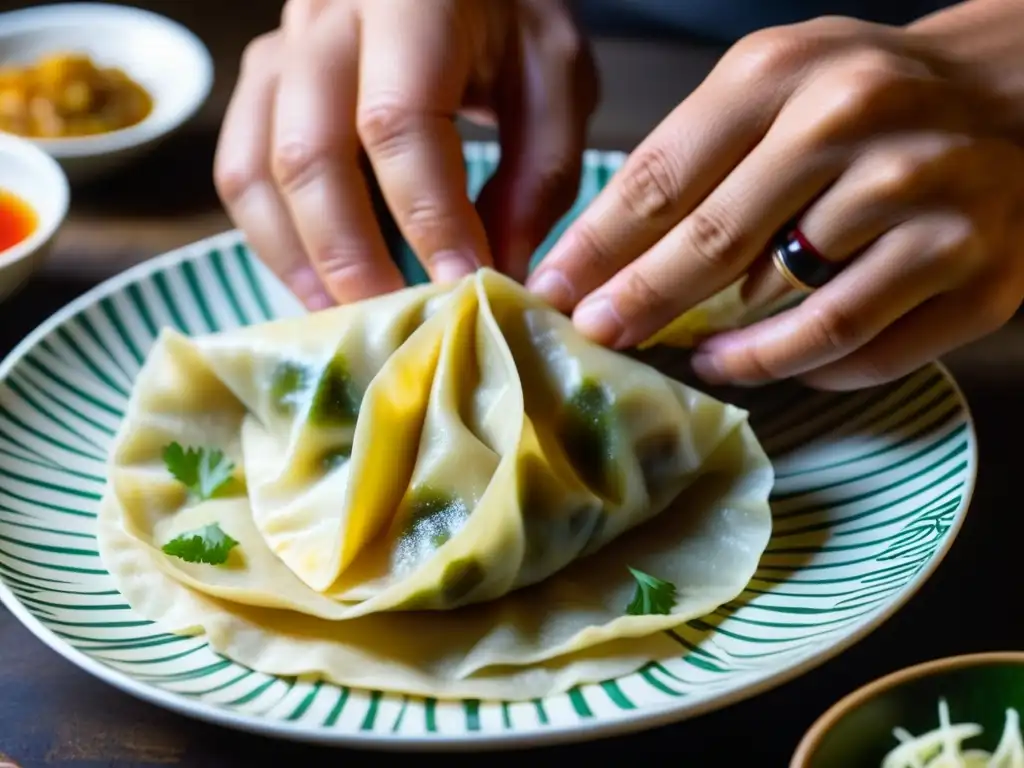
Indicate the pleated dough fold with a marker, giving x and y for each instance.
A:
(438, 492)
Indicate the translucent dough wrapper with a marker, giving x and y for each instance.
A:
(438, 492)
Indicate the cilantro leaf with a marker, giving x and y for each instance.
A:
(203, 471)
(652, 596)
(208, 544)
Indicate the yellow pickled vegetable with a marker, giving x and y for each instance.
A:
(66, 95)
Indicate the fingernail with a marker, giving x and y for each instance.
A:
(714, 343)
(551, 285)
(305, 284)
(319, 300)
(597, 319)
(706, 367)
(451, 265)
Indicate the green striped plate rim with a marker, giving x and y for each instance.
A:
(872, 487)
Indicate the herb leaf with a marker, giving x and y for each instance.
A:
(208, 544)
(203, 471)
(652, 596)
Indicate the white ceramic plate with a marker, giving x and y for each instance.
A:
(872, 488)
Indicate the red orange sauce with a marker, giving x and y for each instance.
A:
(17, 220)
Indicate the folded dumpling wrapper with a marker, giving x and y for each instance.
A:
(437, 492)
(723, 311)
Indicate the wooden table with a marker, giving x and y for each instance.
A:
(53, 714)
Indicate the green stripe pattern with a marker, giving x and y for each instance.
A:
(871, 489)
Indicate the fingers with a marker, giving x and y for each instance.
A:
(924, 335)
(547, 95)
(908, 265)
(315, 157)
(881, 189)
(712, 246)
(884, 187)
(664, 179)
(413, 70)
(243, 177)
(721, 233)
(678, 164)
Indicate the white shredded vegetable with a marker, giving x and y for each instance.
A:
(943, 747)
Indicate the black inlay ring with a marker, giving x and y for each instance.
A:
(799, 262)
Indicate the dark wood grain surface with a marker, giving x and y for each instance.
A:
(53, 714)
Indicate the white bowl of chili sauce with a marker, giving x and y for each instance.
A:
(34, 197)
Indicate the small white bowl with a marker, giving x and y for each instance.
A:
(163, 56)
(35, 177)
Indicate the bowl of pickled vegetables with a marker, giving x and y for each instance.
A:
(94, 85)
(957, 712)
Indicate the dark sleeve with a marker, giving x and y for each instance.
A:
(725, 21)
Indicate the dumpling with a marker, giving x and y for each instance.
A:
(437, 492)
(723, 311)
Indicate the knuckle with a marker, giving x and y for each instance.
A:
(834, 330)
(425, 217)
(867, 90)
(770, 53)
(753, 364)
(895, 177)
(259, 52)
(299, 12)
(382, 125)
(552, 27)
(295, 162)
(876, 62)
(596, 255)
(948, 244)
(565, 42)
(341, 263)
(899, 93)
(959, 241)
(644, 298)
(857, 93)
(648, 187)
(710, 234)
(233, 181)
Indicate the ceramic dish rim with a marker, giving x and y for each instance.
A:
(640, 719)
(149, 128)
(814, 735)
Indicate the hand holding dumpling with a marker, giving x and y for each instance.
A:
(389, 77)
(891, 166)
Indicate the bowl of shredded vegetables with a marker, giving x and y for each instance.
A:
(957, 712)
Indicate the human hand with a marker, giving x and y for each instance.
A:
(887, 160)
(389, 76)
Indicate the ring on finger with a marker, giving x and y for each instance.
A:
(799, 263)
